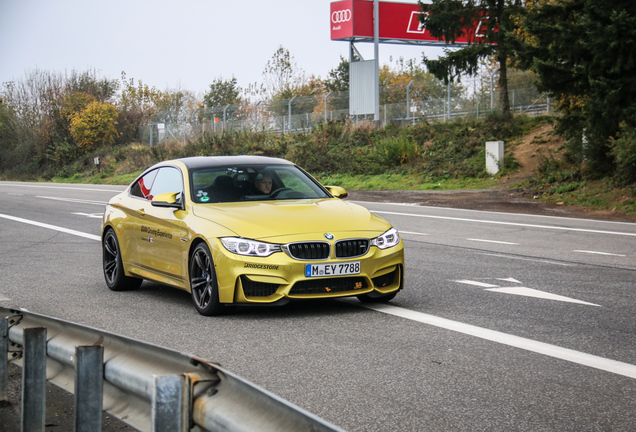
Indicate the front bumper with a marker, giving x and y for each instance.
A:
(278, 277)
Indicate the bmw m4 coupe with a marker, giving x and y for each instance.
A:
(239, 230)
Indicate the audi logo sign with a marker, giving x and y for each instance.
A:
(341, 16)
(352, 20)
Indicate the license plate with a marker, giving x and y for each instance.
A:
(321, 270)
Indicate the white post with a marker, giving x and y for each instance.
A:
(494, 156)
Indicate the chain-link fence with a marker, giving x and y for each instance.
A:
(302, 113)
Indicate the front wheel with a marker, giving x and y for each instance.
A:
(203, 284)
(114, 274)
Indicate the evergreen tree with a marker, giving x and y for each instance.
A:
(584, 52)
(222, 92)
(489, 28)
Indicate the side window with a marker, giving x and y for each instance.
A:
(168, 180)
(142, 187)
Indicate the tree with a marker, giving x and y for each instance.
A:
(338, 80)
(138, 104)
(489, 27)
(282, 75)
(95, 126)
(583, 53)
(396, 76)
(222, 93)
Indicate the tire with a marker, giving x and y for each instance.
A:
(203, 283)
(365, 298)
(114, 274)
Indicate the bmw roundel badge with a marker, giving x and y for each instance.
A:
(329, 236)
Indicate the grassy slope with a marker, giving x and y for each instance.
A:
(446, 156)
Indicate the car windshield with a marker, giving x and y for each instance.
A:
(252, 183)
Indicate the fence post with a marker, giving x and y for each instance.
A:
(289, 126)
(34, 380)
(4, 358)
(89, 388)
(170, 405)
(448, 91)
(492, 89)
(408, 99)
(225, 115)
(256, 114)
(326, 97)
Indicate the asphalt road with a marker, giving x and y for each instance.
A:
(508, 321)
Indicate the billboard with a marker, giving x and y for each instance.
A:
(352, 20)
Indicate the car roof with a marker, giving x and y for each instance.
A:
(196, 162)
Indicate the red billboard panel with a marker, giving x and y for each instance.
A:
(353, 20)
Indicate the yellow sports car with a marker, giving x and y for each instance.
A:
(237, 230)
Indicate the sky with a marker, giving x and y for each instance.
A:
(177, 44)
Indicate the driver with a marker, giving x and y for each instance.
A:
(263, 184)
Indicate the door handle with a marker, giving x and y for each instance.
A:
(141, 212)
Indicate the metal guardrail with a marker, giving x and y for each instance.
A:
(149, 387)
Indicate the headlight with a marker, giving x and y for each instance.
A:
(249, 247)
(386, 240)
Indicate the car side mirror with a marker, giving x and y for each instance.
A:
(337, 191)
(168, 200)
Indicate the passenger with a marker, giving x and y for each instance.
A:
(263, 184)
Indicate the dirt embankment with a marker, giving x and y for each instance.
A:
(530, 151)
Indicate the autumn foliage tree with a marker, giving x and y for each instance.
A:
(95, 126)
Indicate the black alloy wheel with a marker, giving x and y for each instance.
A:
(203, 284)
(114, 274)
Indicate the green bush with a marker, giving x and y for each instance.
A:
(623, 149)
(394, 151)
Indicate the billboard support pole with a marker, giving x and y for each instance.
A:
(376, 54)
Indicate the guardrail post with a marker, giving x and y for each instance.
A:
(34, 380)
(170, 404)
(4, 358)
(89, 386)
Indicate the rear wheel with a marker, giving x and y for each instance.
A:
(114, 274)
(203, 284)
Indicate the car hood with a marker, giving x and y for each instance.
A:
(269, 219)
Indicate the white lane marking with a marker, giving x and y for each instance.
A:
(90, 215)
(522, 291)
(530, 259)
(413, 233)
(601, 363)
(52, 227)
(492, 241)
(79, 201)
(42, 186)
(475, 283)
(508, 223)
(497, 212)
(531, 292)
(600, 253)
(513, 280)
(3, 298)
